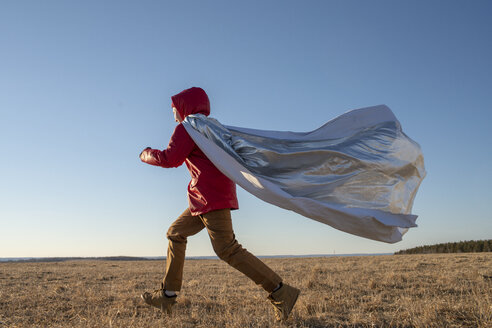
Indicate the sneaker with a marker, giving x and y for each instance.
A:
(283, 301)
(160, 300)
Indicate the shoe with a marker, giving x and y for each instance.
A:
(283, 300)
(160, 300)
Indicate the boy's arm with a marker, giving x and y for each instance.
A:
(180, 146)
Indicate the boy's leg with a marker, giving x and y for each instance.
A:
(219, 226)
(186, 225)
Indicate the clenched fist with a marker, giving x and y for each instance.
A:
(143, 155)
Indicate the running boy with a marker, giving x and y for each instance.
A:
(211, 197)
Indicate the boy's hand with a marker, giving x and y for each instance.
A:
(142, 155)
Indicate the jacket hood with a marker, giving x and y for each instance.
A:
(191, 101)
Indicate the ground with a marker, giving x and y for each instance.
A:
(448, 290)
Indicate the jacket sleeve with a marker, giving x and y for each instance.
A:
(180, 146)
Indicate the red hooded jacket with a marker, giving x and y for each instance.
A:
(208, 189)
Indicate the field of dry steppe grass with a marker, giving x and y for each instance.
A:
(451, 290)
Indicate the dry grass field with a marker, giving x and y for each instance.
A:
(449, 290)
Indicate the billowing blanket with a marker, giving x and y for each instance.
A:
(358, 173)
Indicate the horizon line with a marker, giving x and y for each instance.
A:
(162, 257)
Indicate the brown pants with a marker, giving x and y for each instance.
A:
(219, 227)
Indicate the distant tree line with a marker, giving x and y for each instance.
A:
(471, 246)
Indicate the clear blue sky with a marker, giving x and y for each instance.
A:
(86, 85)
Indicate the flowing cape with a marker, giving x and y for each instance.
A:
(358, 173)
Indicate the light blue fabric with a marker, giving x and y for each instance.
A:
(358, 173)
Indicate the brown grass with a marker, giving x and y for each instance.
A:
(452, 290)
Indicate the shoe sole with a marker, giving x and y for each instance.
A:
(293, 304)
(162, 307)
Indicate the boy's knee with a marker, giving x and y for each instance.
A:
(225, 251)
(173, 235)
(223, 254)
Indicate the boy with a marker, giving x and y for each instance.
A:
(211, 197)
